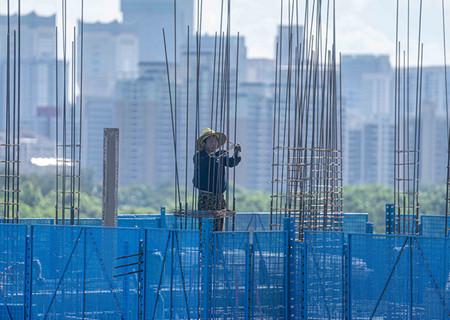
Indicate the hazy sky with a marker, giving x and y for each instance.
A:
(363, 26)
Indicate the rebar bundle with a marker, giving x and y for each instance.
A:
(447, 197)
(69, 121)
(408, 110)
(307, 123)
(213, 107)
(11, 145)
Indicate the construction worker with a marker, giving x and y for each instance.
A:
(209, 172)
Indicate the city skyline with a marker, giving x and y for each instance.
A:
(365, 26)
(124, 90)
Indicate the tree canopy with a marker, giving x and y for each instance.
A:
(38, 199)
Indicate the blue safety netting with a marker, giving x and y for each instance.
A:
(173, 282)
(355, 222)
(229, 277)
(270, 275)
(12, 271)
(432, 225)
(399, 277)
(76, 273)
(324, 281)
(296, 303)
(62, 272)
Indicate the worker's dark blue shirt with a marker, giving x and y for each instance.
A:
(209, 170)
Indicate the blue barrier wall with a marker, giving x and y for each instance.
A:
(61, 272)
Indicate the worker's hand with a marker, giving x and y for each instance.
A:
(237, 149)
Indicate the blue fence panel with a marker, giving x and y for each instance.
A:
(172, 274)
(296, 282)
(187, 283)
(157, 272)
(33, 221)
(112, 270)
(355, 222)
(325, 275)
(74, 273)
(12, 271)
(269, 267)
(150, 223)
(57, 272)
(90, 222)
(430, 282)
(399, 277)
(230, 276)
(95, 273)
(379, 276)
(246, 221)
(432, 226)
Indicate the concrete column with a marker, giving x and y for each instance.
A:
(110, 176)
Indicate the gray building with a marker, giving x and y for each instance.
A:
(38, 69)
(287, 39)
(434, 146)
(260, 70)
(143, 117)
(99, 113)
(255, 135)
(369, 152)
(365, 83)
(111, 53)
(147, 19)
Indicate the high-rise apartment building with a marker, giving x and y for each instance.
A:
(366, 84)
(111, 53)
(38, 68)
(147, 19)
(255, 114)
(369, 152)
(143, 117)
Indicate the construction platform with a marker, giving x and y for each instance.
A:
(150, 268)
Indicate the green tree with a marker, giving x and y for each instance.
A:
(31, 194)
(38, 199)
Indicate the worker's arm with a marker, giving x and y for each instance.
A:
(235, 159)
